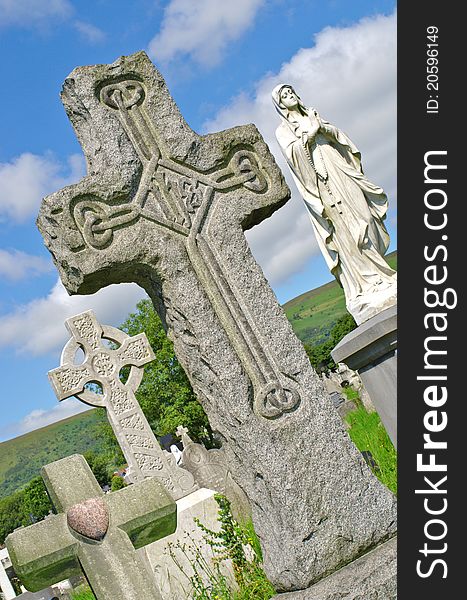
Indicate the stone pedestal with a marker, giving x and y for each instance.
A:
(371, 349)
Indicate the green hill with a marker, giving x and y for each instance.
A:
(22, 458)
(314, 313)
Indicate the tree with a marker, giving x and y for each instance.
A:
(24, 507)
(343, 326)
(165, 393)
(320, 355)
(12, 514)
(36, 501)
(117, 483)
(100, 466)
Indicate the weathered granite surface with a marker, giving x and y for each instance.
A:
(166, 208)
(371, 577)
(59, 547)
(103, 364)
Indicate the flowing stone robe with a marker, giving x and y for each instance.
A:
(346, 209)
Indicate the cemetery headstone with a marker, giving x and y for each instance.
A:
(210, 470)
(93, 532)
(102, 364)
(167, 208)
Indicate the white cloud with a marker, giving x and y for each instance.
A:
(40, 418)
(201, 29)
(16, 265)
(33, 12)
(28, 178)
(349, 75)
(89, 32)
(38, 327)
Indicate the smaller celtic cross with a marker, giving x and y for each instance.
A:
(95, 533)
(102, 365)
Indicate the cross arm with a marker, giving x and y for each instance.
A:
(144, 511)
(135, 351)
(69, 380)
(70, 481)
(44, 553)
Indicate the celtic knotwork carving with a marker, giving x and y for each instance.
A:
(148, 462)
(133, 422)
(273, 400)
(184, 197)
(103, 364)
(87, 330)
(70, 379)
(123, 94)
(141, 442)
(96, 220)
(135, 350)
(243, 169)
(168, 483)
(120, 399)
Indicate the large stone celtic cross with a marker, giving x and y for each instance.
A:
(102, 365)
(166, 208)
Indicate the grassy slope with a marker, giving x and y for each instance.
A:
(314, 313)
(21, 458)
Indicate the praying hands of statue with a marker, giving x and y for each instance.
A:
(309, 136)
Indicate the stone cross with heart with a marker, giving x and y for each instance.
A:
(94, 533)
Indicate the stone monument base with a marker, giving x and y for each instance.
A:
(373, 575)
(371, 349)
(169, 562)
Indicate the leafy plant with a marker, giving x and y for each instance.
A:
(235, 544)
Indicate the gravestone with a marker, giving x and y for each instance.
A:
(166, 208)
(93, 532)
(211, 470)
(102, 365)
(174, 558)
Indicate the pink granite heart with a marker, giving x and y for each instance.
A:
(89, 518)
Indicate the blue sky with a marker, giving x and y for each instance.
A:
(221, 61)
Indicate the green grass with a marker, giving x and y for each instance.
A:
(22, 458)
(83, 592)
(368, 433)
(314, 313)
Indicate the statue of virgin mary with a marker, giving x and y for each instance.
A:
(347, 210)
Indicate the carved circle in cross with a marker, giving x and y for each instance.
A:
(102, 363)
